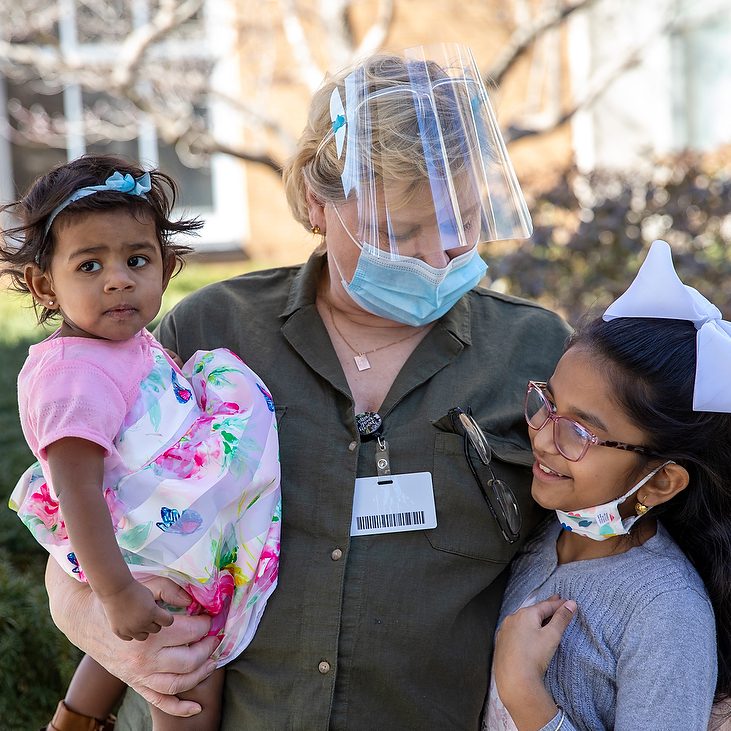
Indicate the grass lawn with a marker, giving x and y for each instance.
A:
(35, 659)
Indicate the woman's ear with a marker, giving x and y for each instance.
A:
(666, 484)
(40, 285)
(316, 210)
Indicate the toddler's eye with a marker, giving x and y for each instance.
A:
(137, 261)
(90, 266)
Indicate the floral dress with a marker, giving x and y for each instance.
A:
(192, 486)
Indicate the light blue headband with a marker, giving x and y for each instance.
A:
(121, 183)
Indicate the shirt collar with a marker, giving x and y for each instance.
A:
(303, 291)
(304, 285)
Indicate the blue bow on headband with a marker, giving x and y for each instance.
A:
(658, 292)
(117, 182)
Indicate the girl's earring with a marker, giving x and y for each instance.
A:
(316, 230)
(50, 303)
(641, 508)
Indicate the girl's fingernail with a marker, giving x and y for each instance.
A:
(570, 605)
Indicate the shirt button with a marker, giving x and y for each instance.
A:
(336, 555)
(352, 446)
(324, 667)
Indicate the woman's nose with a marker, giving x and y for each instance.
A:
(437, 259)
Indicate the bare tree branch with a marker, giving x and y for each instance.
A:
(307, 69)
(266, 122)
(524, 38)
(337, 31)
(169, 16)
(206, 145)
(377, 34)
(600, 82)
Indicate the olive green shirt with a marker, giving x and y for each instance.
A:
(387, 631)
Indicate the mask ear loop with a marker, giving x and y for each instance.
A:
(629, 522)
(343, 281)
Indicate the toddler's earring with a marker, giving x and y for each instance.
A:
(316, 230)
(641, 508)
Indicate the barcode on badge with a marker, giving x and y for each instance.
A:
(390, 520)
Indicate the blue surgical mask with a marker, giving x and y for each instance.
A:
(408, 290)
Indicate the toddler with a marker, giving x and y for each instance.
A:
(144, 468)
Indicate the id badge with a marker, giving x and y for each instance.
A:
(393, 504)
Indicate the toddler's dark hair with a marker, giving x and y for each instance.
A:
(650, 363)
(28, 242)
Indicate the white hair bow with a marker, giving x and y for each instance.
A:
(658, 292)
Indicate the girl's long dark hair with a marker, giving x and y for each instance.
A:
(651, 365)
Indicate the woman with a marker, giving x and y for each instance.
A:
(396, 534)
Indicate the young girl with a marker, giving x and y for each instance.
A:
(635, 423)
(144, 469)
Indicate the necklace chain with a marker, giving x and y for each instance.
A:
(361, 356)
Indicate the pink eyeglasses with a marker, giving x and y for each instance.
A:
(569, 437)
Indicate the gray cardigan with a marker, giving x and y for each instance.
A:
(640, 655)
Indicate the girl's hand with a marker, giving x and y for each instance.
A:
(133, 613)
(174, 357)
(525, 644)
(172, 661)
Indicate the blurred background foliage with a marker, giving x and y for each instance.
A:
(592, 232)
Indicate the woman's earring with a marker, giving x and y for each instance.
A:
(316, 230)
(641, 508)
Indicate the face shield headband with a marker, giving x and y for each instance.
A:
(421, 156)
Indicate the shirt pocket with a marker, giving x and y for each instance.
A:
(465, 525)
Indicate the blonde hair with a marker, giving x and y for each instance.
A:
(391, 132)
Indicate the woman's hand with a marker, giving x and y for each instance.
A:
(174, 660)
(525, 644)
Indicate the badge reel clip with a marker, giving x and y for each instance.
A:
(370, 427)
(388, 503)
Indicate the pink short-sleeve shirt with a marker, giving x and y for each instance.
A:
(80, 387)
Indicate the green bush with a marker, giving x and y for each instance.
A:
(592, 233)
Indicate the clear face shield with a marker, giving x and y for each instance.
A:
(423, 166)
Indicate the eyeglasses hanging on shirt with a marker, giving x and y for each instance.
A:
(499, 497)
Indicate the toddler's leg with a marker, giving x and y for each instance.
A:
(209, 694)
(93, 692)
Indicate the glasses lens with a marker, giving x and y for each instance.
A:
(537, 408)
(508, 506)
(571, 439)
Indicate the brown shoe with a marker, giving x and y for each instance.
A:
(64, 719)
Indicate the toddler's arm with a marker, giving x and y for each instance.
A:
(77, 472)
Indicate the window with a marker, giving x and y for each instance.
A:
(75, 121)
